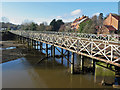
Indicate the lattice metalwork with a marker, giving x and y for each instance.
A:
(105, 48)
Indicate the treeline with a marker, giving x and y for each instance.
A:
(53, 26)
(90, 25)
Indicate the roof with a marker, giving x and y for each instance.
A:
(110, 28)
(78, 19)
(116, 16)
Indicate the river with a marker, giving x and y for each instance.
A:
(25, 72)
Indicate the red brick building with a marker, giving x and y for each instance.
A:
(110, 25)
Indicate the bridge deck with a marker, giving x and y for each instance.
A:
(104, 48)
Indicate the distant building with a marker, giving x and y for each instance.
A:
(110, 25)
(75, 24)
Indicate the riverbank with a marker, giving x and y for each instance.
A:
(10, 50)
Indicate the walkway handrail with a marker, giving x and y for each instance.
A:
(103, 48)
(104, 37)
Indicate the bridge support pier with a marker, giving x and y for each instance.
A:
(68, 58)
(40, 46)
(72, 63)
(53, 51)
(28, 42)
(37, 44)
(22, 40)
(82, 62)
(32, 43)
(93, 64)
(46, 50)
(62, 56)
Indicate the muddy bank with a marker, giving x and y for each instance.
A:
(5, 36)
(11, 50)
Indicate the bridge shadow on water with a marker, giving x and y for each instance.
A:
(54, 72)
(105, 80)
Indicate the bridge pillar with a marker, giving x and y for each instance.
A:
(28, 42)
(32, 42)
(82, 62)
(68, 58)
(46, 50)
(40, 46)
(93, 64)
(22, 40)
(53, 51)
(62, 56)
(19, 39)
(37, 44)
(72, 63)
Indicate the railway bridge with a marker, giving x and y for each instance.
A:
(104, 48)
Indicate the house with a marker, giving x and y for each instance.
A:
(110, 25)
(75, 24)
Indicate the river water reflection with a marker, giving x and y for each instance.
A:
(50, 73)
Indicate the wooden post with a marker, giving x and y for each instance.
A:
(68, 58)
(46, 50)
(40, 46)
(82, 63)
(37, 44)
(19, 39)
(28, 42)
(32, 42)
(72, 63)
(23, 40)
(62, 56)
(93, 62)
(53, 51)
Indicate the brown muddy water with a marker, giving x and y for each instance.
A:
(50, 73)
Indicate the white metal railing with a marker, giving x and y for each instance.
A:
(110, 38)
(106, 48)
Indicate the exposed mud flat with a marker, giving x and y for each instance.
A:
(10, 50)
